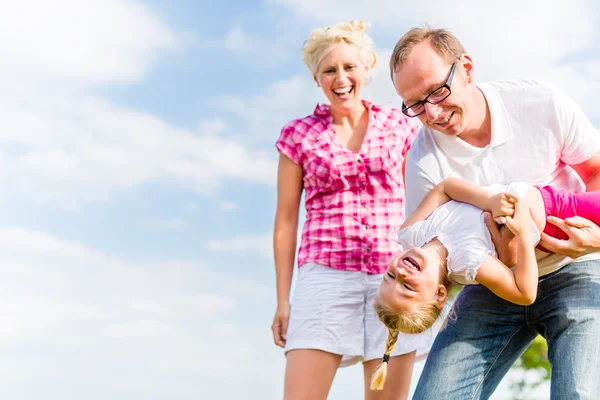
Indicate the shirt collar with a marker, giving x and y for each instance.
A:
(322, 110)
(501, 127)
(461, 151)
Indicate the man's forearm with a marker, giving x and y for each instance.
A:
(593, 183)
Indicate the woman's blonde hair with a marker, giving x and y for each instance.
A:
(322, 40)
(411, 322)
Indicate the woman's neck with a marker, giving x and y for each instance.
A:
(348, 118)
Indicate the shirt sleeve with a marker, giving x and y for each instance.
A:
(288, 143)
(464, 264)
(409, 236)
(580, 139)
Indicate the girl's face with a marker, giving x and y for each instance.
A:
(341, 75)
(413, 277)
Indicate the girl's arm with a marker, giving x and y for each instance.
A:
(519, 285)
(443, 192)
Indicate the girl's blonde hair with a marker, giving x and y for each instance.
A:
(322, 40)
(411, 322)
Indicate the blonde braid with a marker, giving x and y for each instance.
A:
(378, 378)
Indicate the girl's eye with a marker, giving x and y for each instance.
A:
(408, 287)
(349, 66)
(390, 275)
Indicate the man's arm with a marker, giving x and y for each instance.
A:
(589, 172)
(584, 235)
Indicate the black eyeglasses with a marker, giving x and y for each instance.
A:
(437, 96)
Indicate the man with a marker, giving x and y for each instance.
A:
(502, 132)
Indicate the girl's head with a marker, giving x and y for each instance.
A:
(412, 294)
(341, 58)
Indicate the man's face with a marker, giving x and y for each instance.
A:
(422, 73)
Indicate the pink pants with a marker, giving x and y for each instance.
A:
(564, 204)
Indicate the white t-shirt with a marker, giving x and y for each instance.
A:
(537, 130)
(460, 227)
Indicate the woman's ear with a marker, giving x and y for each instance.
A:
(316, 80)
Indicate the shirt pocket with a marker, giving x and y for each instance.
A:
(385, 155)
(325, 169)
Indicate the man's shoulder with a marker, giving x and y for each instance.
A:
(423, 144)
(516, 88)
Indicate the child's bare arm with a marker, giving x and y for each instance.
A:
(449, 189)
(435, 198)
(519, 285)
(467, 192)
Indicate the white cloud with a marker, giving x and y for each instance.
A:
(236, 40)
(80, 42)
(72, 314)
(261, 244)
(264, 52)
(74, 149)
(67, 145)
(227, 206)
(166, 225)
(213, 127)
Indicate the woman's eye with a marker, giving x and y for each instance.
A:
(390, 275)
(408, 287)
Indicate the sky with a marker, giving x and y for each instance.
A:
(138, 165)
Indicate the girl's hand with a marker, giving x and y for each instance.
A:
(501, 206)
(520, 223)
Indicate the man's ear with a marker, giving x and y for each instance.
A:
(469, 68)
(441, 296)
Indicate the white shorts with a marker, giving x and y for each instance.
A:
(332, 310)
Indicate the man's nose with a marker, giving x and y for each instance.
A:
(432, 111)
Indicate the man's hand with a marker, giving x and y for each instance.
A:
(504, 241)
(584, 237)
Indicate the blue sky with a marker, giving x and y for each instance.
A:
(138, 167)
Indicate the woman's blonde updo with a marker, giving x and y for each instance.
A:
(321, 41)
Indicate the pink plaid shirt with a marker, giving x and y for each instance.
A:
(354, 201)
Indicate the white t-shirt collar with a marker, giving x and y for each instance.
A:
(461, 151)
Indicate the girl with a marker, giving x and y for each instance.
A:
(446, 241)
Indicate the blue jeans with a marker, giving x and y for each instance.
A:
(472, 354)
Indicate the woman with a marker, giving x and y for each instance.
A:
(348, 158)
